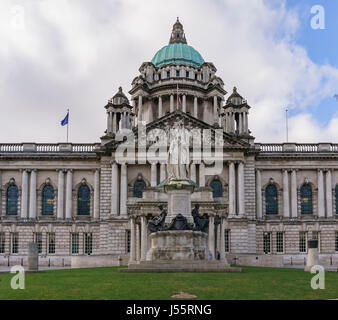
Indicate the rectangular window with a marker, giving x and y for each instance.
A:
(280, 242)
(267, 242)
(75, 243)
(177, 73)
(2, 242)
(38, 240)
(159, 76)
(316, 236)
(128, 240)
(51, 242)
(302, 242)
(336, 241)
(227, 240)
(15, 242)
(88, 243)
(168, 74)
(187, 74)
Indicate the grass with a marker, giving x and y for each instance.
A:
(108, 283)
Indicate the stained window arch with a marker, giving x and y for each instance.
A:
(217, 188)
(83, 201)
(306, 199)
(48, 196)
(139, 185)
(271, 199)
(12, 195)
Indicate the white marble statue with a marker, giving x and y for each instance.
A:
(178, 155)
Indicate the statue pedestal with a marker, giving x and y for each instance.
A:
(179, 199)
(312, 255)
(186, 245)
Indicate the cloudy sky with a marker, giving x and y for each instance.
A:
(60, 54)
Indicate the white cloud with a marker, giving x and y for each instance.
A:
(77, 53)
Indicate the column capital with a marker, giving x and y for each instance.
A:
(70, 170)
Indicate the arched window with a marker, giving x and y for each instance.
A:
(12, 200)
(217, 188)
(48, 201)
(83, 201)
(337, 199)
(306, 199)
(139, 185)
(271, 199)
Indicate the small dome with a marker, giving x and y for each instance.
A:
(235, 98)
(120, 98)
(177, 53)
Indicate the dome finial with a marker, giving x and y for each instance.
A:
(177, 34)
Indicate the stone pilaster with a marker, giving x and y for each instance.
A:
(294, 211)
(321, 202)
(114, 189)
(286, 204)
(69, 194)
(61, 194)
(132, 241)
(241, 209)
(24, 195)
(124, 190)
(329, 194)
(32, 196)
(97, 194)
(259, 194)
(232, 195)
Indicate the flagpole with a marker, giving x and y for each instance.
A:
(67, 125)
(287, 126)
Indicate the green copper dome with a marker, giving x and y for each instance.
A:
(177, 53)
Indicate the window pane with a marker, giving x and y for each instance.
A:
(227, 240)
(336, 242)
(38, 240)
(267, 242)
(12, 201)
(306, 199)
(271, 199)
(280, 242)
(88, 243)
(217, 189)
(138, 188)
(302, 242)
(51, 242)
(83, 201)
(15, 243)
(2, 242)
(48, 201)
(75, 243)
(128, 240)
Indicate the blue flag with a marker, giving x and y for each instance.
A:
(65, 120)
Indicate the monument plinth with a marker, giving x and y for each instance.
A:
(312, 255)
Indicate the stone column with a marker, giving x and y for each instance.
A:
(109, 122)
(97, 194)
(24, 195)
(215, 110)
(162, 172)
(132, 241)
(184, 106)
(32, 196)
(240, 120)
(286, 204)
(153, 179)
(138, 243)
(33, 257)
(160, 111)
(294, 212)
(222, 244)
(202, 174)
(139, 115)
(329, 194)
(259, 194)
(114, 122)
(211, 236)
(143, 238)
(69, 194)
(193, 172)
(195, 107)
(232, 195)
(61, 194)
(114, 189)
(241, 209)
(124, 190)
(244, 122)
(171, 103)
(246, 128)
(321, 202)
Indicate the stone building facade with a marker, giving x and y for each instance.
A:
(80, 200)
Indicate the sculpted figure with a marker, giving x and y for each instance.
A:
(201, 223)
(157, 223)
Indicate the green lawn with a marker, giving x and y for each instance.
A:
(107, 283)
